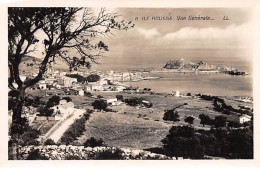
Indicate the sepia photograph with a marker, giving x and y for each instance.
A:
(121, 83)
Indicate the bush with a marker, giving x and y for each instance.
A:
(68, 99)
(99, 104)
(182, 142)
(234, 124)
(49, 142)
(75, 130)
(92, 142)
(171, 115)
(93, 78)
(54, 100)
(45, 111)
(29, 137)
(120, 97)
(135, 101)
(19, 127)
(205, 120)
(189, 119)
(220, 121)
(35, 155)
(110, 155)
(99, 97)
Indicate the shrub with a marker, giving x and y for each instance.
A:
(75, 130)
(234, 124)
(45, 111)
(93, 78)
(220, 121)
(92, 142)
(99, 97)
(182, 142)
(189, 119)
(171, 115)
(99, 104)
(205, 120)
(68, 99)
(35, 155)
(109, 155)
(29, 137)
(19, 128)
(54, 100)
(49, 142)
(120, 97)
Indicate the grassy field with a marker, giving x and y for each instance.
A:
(141, 128)
(144, 127)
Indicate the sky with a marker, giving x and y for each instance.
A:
(151, 43)
(162, 40)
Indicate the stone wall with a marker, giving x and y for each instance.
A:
(66, 152)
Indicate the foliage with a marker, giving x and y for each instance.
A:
(171, 115)
(241, 144)
(220, 121)
(19, 128)
(234, 124)
(75, 130)
(29, 137)
(53, 101)
(187, 142)
(120, 97)
(135, 101)
(100, 104)
(220, 106)
(93, 78)
(99, 97)
(45, 111)
(68, 99)
(36, 155)
(189, 119)
(92, 142)
(65, 31)
(49, 142)
(23, 135)
(182, 142)
(109, 155)
(205, 120)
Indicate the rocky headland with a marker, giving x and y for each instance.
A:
(183, 65)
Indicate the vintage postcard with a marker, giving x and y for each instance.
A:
(99, 81)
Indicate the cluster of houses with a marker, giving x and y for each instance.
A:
(123, 76)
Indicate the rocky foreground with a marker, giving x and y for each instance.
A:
(69, 152)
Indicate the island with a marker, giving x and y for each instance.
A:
(183, 65)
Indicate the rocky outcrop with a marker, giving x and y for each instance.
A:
(184, 65)
(66, 152)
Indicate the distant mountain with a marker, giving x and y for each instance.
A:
(184, 65)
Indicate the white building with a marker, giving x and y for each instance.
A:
(176, 93)
(244, 118)
(112, 101)
(61, 111)
(81, 92)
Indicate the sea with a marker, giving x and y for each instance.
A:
(204, 83)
